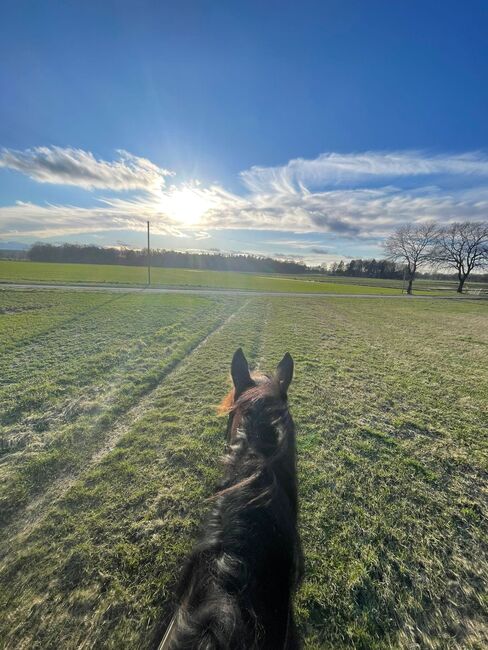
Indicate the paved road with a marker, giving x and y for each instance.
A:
(226, 292)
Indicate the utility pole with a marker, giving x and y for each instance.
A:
(148, 257)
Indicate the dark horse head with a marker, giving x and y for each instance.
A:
(236, 590)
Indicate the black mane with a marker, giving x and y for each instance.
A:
(237, 586)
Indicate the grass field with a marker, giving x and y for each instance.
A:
(420, 285)
(111, 445)
(39, 272)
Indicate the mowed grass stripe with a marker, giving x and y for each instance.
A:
(37, 508)
(90, 346)
(146, 496)
(28, 315)
(63, 443)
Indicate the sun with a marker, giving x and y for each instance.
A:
(186, 205)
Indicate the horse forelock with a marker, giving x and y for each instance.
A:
(265, 387)
(227, 403)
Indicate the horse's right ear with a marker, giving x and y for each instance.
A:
(239, 371)
(284, 372)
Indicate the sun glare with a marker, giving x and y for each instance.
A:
(186, 205)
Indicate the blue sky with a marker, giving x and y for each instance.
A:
(305, 129)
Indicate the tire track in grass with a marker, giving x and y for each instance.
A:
(88, 385)
(64, 322)
(62, 446)
(103, 514)
(71, 443)
(37, 508)
(141, 407)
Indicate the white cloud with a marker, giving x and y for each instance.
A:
(358, 212)
(330, 194)
(29, 219)
(295, 243)
(336, 169)
(80, 168)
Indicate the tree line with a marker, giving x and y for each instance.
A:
(214, 261)
(427, 249)
(360, 268)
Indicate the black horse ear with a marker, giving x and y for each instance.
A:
(284, 372)
(239, 370)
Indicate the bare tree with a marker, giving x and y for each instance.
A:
(412, 245)
(464, 247)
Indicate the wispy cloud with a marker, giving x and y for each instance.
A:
(30, 219)
(358, 212)
(295, 243)
(80, 168)
(335, 169)
(330, 194)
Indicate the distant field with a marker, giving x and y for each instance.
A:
(438, 286)
(111, 444)
(39, 272)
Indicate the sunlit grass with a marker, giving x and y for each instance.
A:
(44, 272)
(392, 437)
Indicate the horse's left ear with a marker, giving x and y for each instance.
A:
(239, 371)
(284, 372)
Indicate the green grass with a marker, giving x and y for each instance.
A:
(420, 285)
(66, 397)
(121, 445)
(44, 272)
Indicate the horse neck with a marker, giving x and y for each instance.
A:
(253, 459)
(243, 502)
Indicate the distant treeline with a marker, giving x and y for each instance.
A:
(74, 253)
(387, 270)
(360, 268)
(10, 254)
(214, 261)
